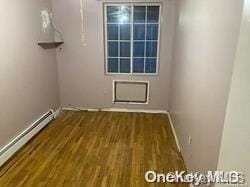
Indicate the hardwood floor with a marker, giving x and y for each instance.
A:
(96, 149)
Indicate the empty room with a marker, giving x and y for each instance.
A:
(125, 93)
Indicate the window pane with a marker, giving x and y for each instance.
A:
(139, 32)
(141, 44)
(139, 49)
(153, 14)
(152, 32)
(125, 65)
(138, 65)
(113, 49)
(125, 49)
(151, 49)
(150, 65)
(113, 65)
(125, 32)
(112, 31)
(139, 14)
(113, 14)
(125, 14)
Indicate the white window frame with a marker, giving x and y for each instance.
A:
(132, 40)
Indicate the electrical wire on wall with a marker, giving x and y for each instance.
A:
(82, 23)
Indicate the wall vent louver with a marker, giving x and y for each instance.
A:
(130, 92)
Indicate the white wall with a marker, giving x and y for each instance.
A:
(205, 44)
(28, 73)
(235, 147)
(81, 68)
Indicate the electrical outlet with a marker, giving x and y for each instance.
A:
(190, 140)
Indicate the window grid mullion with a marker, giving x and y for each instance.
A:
(145, 39)
(132, 40)
(136, 57)
(106, 41)
(119, 34)
(134, 23)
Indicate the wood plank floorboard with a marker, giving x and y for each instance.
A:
(96, 149)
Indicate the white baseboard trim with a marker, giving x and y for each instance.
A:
(57, 112)
(18, 142)
(115, 110)
(135, 110)
(70, 109)
(173, 130)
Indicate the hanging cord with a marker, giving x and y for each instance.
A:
(55, 28)
(82, 24)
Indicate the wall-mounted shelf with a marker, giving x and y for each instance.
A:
(49, 45)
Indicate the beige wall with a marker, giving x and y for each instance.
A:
(81, 69)
(28, 75)
(235, 147)
(205, 44)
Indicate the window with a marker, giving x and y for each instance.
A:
(132, 38)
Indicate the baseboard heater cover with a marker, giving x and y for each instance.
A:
(130, 92)
(11, 148)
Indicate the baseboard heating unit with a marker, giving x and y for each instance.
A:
(12, 147)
